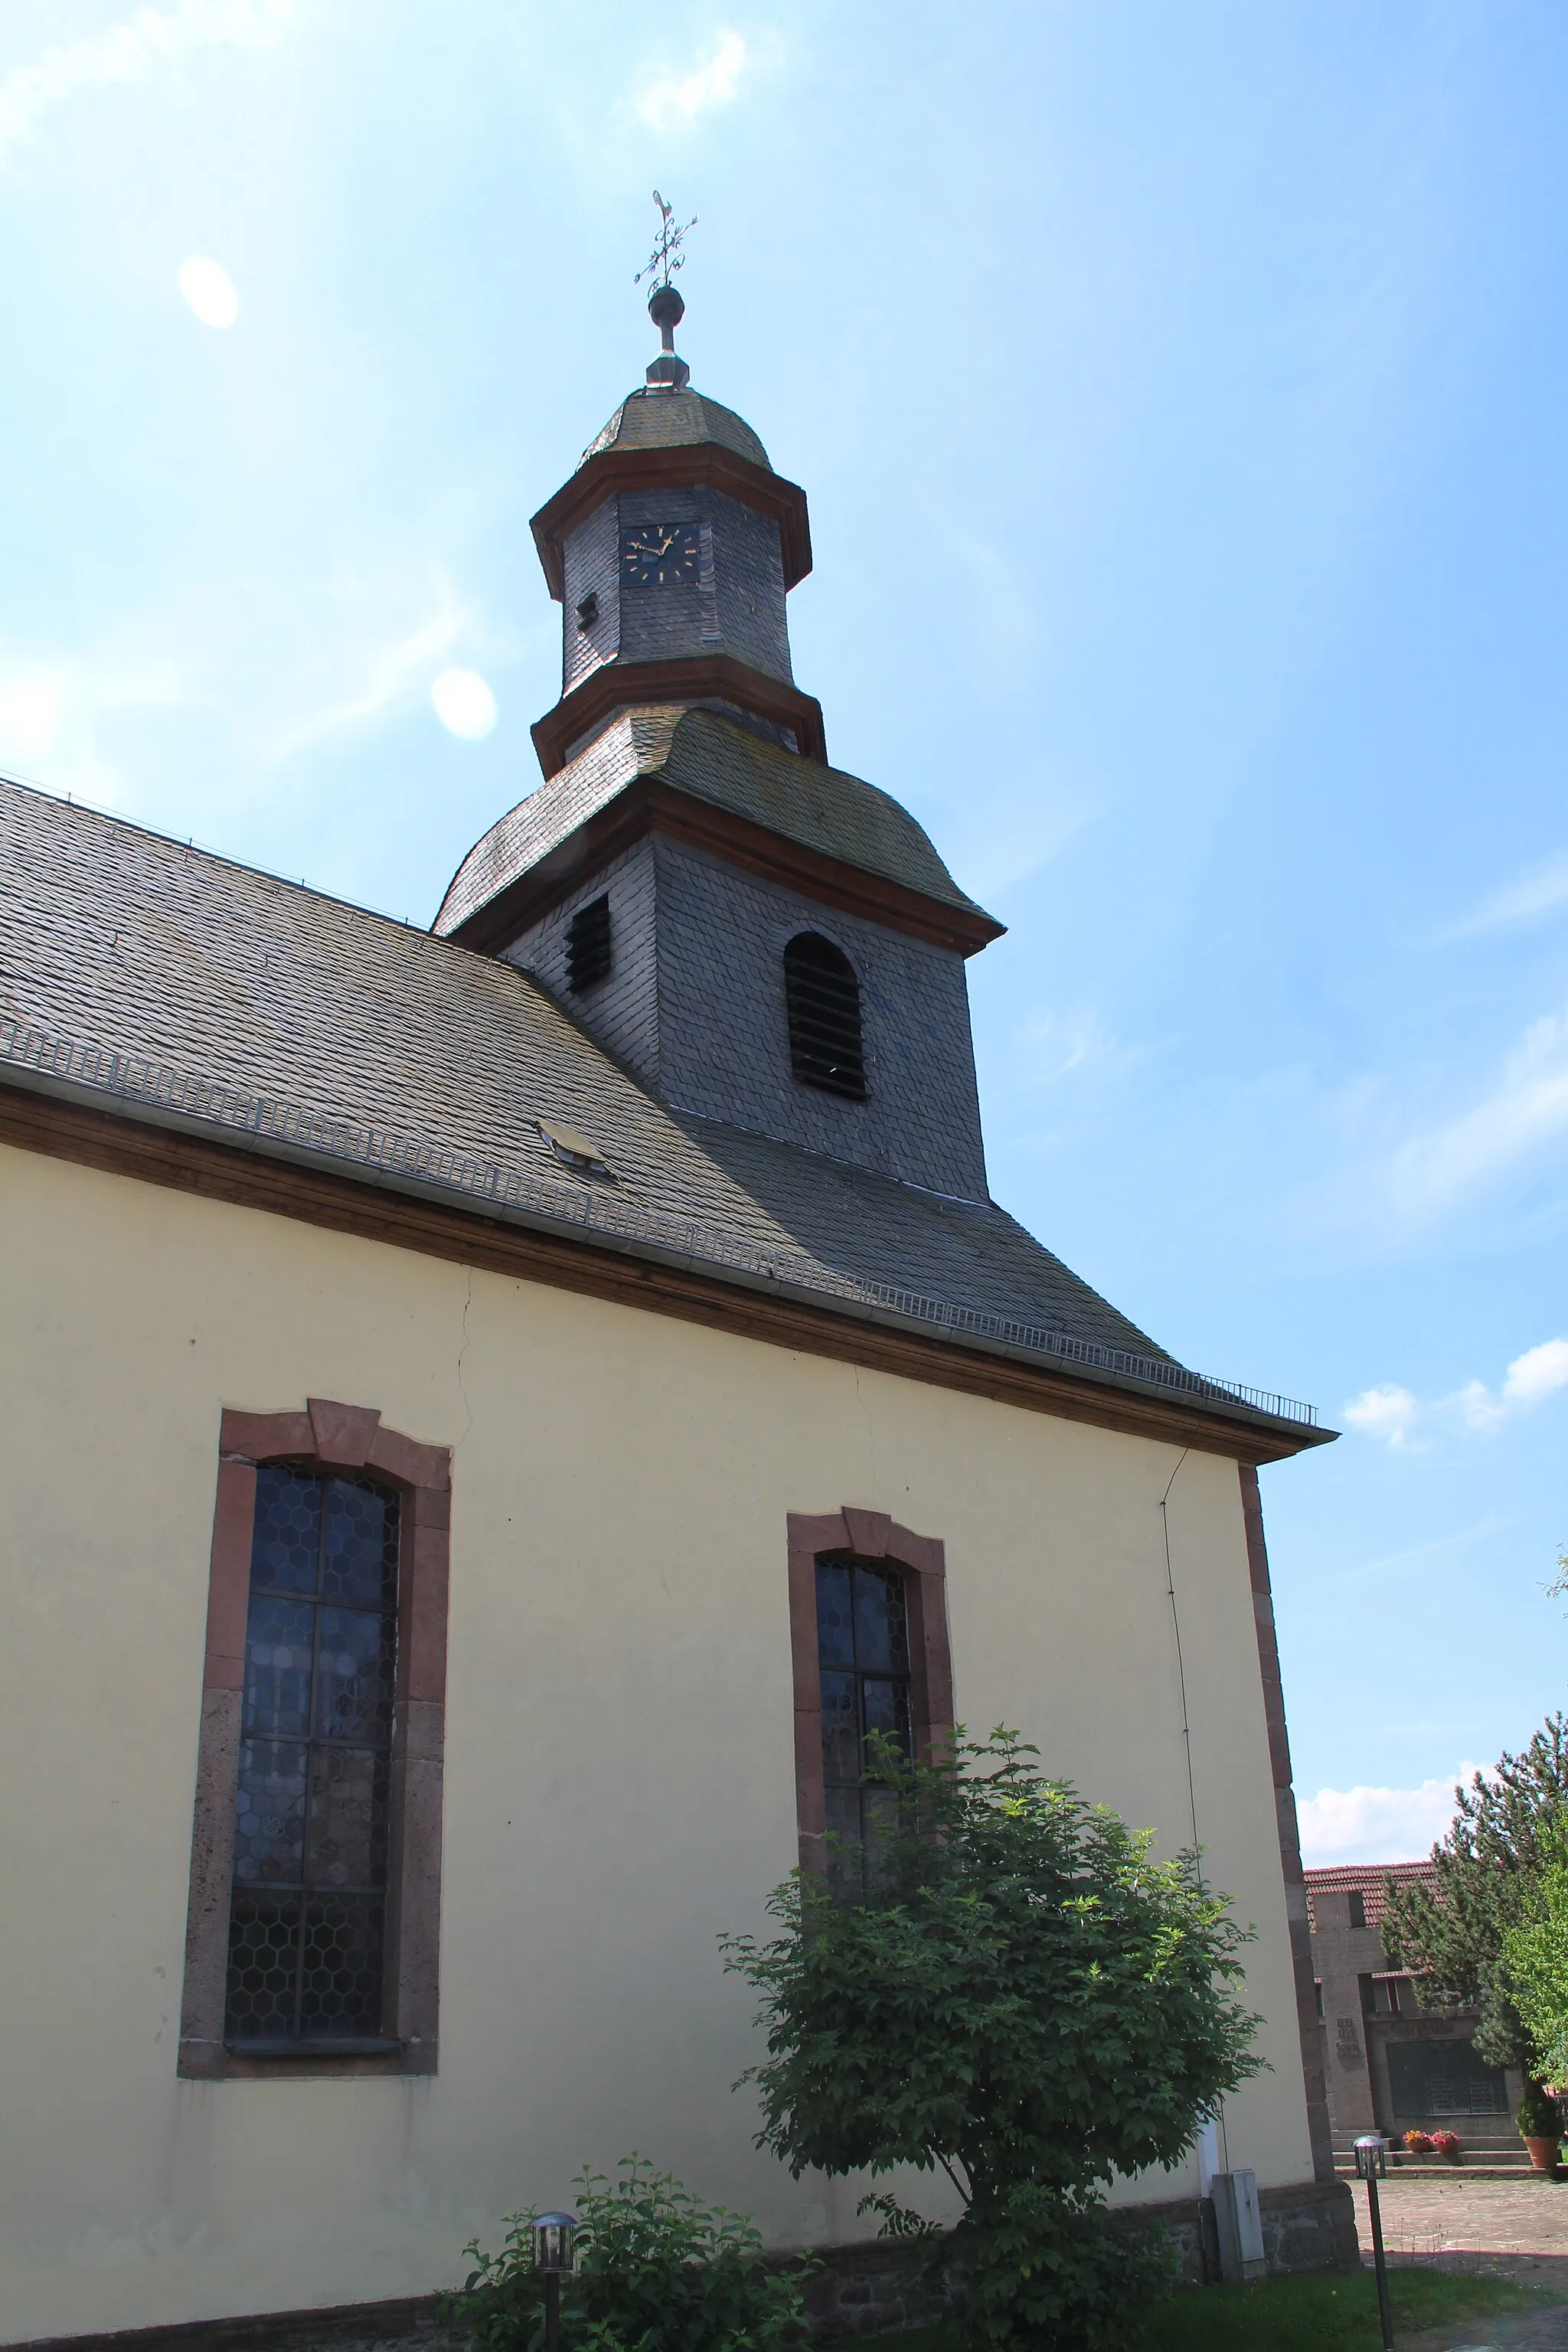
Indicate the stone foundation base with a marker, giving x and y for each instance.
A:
(866, 2290)
(1307, 2227)
(871, 2290)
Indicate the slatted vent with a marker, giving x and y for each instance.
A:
(588, 946)
(822, 997)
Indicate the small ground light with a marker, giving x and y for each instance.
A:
(1371, 2159)
(553, 2236)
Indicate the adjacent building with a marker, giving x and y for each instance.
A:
(1390, 2065)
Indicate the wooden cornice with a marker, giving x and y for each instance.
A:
(700, 464)
(689, 678)
(123, 1145)
(649, 805)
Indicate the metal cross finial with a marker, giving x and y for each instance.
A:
(666, 256)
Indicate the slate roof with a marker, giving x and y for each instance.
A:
(712, 759)
(649, 419)
(199, 992)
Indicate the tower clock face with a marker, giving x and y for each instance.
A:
(660, 554)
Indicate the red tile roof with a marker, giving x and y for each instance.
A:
(1366, 1876)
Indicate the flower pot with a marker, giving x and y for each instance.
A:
(1542, 2154)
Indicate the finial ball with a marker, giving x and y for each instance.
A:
(665, 307)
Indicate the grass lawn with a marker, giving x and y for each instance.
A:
(1326, 2314)
(1335, 2313)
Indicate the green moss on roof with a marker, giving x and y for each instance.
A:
(712, 759)
(675, 420)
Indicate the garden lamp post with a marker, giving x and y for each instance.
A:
(553, 2234)
(1372, 2158)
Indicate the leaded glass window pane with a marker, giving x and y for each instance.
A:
(307, 1923)
(863, 1653)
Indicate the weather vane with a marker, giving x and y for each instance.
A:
(666, 256)
(668, 372)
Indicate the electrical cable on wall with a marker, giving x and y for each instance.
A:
(1176, 1625)
(1186, 1726)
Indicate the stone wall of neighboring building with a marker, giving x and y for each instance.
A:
(1390, 2065)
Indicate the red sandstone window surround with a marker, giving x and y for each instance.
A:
(327, 1438)
(875, 1537)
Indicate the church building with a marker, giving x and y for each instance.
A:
(492, 1417)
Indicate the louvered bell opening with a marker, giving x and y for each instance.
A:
(588, 946)
(823, 999)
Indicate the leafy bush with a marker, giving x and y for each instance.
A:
(656, 2272)
(1535, 1953)
(1024, 1997)
(1538, 2116)
(1047, 2266)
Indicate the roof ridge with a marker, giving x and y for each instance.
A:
(1344, 1871)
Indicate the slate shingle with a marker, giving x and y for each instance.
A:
(119, 937)
(712, 759)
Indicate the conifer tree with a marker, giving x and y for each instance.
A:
(1452, 1933)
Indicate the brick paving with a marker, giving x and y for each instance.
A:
(1503, 2229)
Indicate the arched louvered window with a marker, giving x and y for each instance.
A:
(822, 997)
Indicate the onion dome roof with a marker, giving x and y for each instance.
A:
(660, 417)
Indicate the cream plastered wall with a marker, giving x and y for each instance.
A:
(619, 1764)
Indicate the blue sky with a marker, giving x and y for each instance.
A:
(1179, 392)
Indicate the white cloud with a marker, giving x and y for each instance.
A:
(671, 100)
(1391, 1412)
(1414, 1561)
(1524, 1109)
(129, 52)
(53, 715)
(395, 674)
(1388, 1412)
(1056, 1046)
(1525, 901)
(1372, 1825)
(464, 704)
(1537, 1373)
(209, 290)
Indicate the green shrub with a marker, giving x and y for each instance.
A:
(1049, 2266)
(1538, 2117)
(1022, 1996)
(656, 2272)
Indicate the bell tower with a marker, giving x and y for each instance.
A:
(771, 946)
(671, 550)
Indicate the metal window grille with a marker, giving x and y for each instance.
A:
(1432, 2078)
(307, 1916)
(589, 952)
(822, 999)
(863, 1657)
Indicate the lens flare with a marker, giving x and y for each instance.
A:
(210, 292)
(464, 704)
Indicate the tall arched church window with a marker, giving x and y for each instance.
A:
(822, 999)
(307, 1918)
(867, 1616)
(313, 1930)
(863, 1656)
